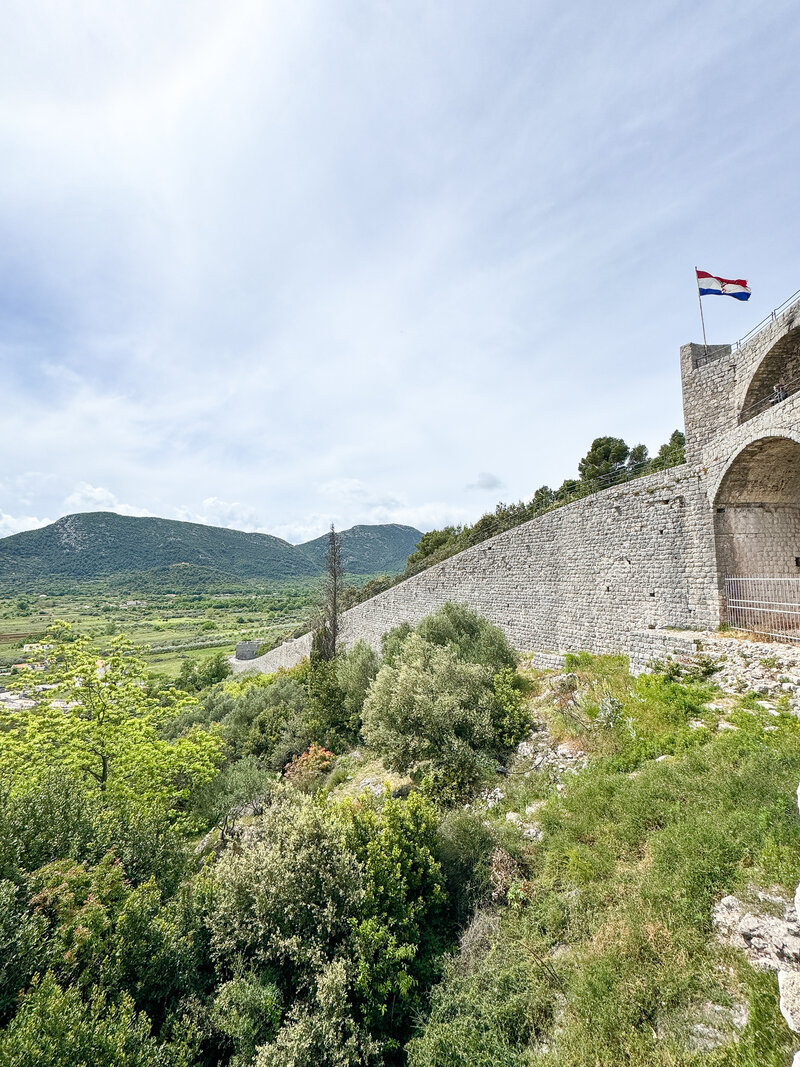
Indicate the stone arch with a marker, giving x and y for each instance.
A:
(757, 511)
(779, 368)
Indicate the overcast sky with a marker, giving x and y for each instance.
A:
(272, 265)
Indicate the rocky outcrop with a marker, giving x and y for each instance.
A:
(768, 932)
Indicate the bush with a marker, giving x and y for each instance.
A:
(432, 708)
(400, 929)
(247, 1010)
(463, 847)
(287, 902)
(56, 819)
(324, 1031)
(306, 770)
(355, 671)
(195, 676)
(21, 948)
(54, 1027)
(470, 636)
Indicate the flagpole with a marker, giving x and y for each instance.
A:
(700, 302)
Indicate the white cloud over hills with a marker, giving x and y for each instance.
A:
(272, 266)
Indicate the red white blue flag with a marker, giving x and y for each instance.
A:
(710, 285)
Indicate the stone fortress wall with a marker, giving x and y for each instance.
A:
(613, 571)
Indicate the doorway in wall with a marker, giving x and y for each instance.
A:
(757, 533)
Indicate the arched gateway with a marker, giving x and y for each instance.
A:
(757, 538)
(757, 512)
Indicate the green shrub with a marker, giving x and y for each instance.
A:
(247, 1010)
(463, 847)
(288, 902)
(431, 708)
(54, 1028)
(469, 635)
(21, 946)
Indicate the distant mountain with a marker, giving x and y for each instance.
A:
(104, 547)
(368, 549)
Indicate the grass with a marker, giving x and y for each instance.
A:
(605, 953)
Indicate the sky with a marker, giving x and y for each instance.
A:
(276, 265)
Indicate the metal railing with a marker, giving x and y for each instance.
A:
(772, 317)
(768, 606)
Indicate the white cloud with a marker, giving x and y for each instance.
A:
(86, 497)
(11, 524)
(216, 512)
(269, 265)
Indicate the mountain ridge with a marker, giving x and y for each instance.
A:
(104, 546)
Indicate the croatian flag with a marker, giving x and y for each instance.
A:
(710, 285)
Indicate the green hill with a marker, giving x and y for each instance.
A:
(369, 549)
(103, 547)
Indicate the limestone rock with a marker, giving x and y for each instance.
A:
(789, 986)
(771, 942)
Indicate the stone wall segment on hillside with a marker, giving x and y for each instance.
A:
(650, 555)
(582, 576)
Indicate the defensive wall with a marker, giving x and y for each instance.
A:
(619, 570)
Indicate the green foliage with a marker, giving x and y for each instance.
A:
(670, 454)
(432, 708)
(195, 676)
(463, 847)
(247, 1010)
(79, 906)
(327, 721)
(323, 1031)
(512, 713)
(286, 903)
(55, 1027)
(431, 543)
(54, 819)
(355, 670)
(605, 458)
(253, 717)
(399, 934)
(469, 635)
(106, 731)
(21, 937)
(242, 787)
(447, 700)
(343, 905)
(392, 643)
(487, 1016)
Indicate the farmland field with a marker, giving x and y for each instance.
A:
(169, 628)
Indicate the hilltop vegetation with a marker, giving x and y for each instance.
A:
(162, 555)
(368, 549)
(608, 462)
(429, 857)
